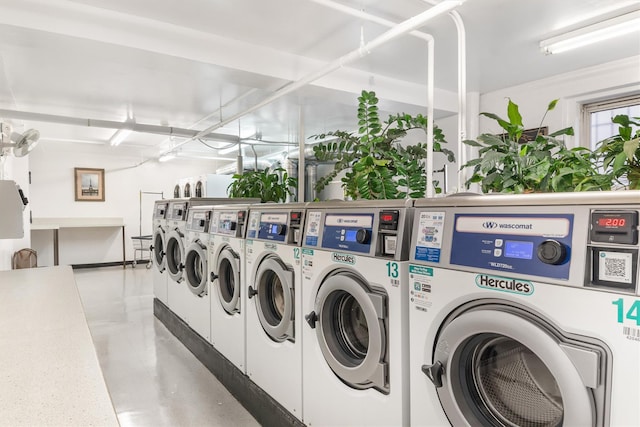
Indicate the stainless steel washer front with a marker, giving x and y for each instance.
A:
(274, 293)
(175, 254)
(351, 329)
(227, 275)
(196, 268)
(501, 367)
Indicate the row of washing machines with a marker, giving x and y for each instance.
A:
(465, 310)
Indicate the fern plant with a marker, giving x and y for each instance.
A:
(377, 166)
(267, 185)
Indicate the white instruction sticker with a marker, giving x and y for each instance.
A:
(430, 229)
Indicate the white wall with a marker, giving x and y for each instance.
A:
(616, 78)
(52, 195)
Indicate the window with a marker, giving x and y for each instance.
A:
(598, 115)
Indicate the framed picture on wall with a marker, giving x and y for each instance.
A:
(89, 184)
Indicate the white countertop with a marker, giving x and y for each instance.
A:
(49, 370)
(55, 223)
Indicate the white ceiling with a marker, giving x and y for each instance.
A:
(194, 63)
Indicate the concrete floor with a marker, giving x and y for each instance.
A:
(153, 379)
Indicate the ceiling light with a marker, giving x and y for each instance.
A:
(166, 157)
(603, 30)
(119, 136)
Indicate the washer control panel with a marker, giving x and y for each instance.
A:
(532, 244)
(229, 223)
(198, 220)
(278, 226)
(177, 211)
(160, 211)
(350, 232)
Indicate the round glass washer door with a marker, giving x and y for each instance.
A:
(352, 332)
(500, 369)
(175, 255)
(196, 268)
(158, 249)
(227, 270)
(275, 298)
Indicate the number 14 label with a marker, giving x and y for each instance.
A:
(632, 313)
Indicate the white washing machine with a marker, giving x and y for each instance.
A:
(211, 185)
(226, 264)
(355, 299)
(196, 270)
(524, 310)
(274, 321)
(159, 228)
(177, 292)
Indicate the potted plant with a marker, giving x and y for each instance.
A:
(508, 164)
(620, 154)
(267, 185)
(378, 167)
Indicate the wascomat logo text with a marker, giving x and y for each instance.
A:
(506, 225)
(504, 284)
(343, 258)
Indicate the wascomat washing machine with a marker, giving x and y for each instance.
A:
(197, 313)
(178, 294)
(272, 259)
(226, 264)
(355, 300)
(174, 253)
(524, 310)
(158, 250)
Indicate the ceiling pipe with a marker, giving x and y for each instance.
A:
(430, 75)
(462, 96)
(110, 124)
(400, 29)
(462, 92)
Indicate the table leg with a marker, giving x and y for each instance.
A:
(124, 255)
(55, 247)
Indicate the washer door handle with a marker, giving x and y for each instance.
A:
(213, 276)
(434, 373)
(252, 292)
(311, 319)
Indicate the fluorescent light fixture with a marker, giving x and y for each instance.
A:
(228, 150)
(603, 30)
(119, 136)
(166, 157)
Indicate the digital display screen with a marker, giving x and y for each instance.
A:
(386, 217)
(518, 250)
(350, 235)
(612, 222)
(274, 229)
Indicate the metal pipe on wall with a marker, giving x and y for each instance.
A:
(111, 124)
(400, 29)
(430, 76)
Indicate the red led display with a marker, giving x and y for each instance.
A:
(612, 222)
(386, 217)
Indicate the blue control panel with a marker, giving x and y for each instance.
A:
(532, 244)
(348, 232)
(273, 226)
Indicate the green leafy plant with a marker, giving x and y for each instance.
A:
(505, 164)
(378, 167)
(267, 185)
(620, 154)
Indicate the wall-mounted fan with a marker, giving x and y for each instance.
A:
(22, 143)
